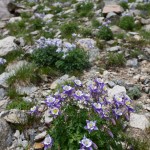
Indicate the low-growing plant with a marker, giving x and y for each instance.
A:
(134, 93)
(24, 76)
(86, 32)
(76, 60)
(20, 104)
(135, 53)
(95, 23)
(73, 60)
(105, 33)
(144, 7)
(115, 60)
(127, 23)
(124, 5)
(85, 117)
(84, 9)
(68, 29)
(14, 55)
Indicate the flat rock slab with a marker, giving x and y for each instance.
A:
(7, 45)
(112, 8)
(139, 121)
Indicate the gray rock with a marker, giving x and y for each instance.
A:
(4, 13)
(15, 66)
(61, 80)
(26, 89)
(6, 134)
(15, 116)
(113, 49)
(110, 15)
(40, 136)
(15, 19)
(147, 27)
(3, 104)
(116, 30)
(139, 121)
(3, 77)
(7, 45)
(111, 84)
(2, 93)
(145, 21)
(132, 62)
(116, 90)
(89, 45)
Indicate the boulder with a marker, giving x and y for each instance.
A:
(7, 45)
(6, 134)
(139, 121)
(116, 90)
(4, 13)
(112, 8)
(15, 116)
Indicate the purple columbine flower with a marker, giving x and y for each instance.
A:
(87, 144)
(48, 142)
(90, 126)
(54, 111)
(50, 100)
(97, 106)
(117, 113)
(33, 110)
(93, 88)
(78, 82)
(67, 89)
(78, 95)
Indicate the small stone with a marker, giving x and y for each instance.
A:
(139, 121)
(111, 84)
(15, 19)
(48, 17)
(132, 62)
(40, 136)
(38, 146)
(114, 49)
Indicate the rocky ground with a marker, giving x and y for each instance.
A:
(23, 23)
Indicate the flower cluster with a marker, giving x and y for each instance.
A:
(94, 98)
(105, 23)
(2, 61)
(62, 47)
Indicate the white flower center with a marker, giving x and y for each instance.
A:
(86, 142)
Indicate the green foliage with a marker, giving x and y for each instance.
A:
(95, 23)
(124, 5)
(46, 56)
(20, 104)
(115, 60)
(135, 53)
(86, 32)
(76, 60)
(68, 29)
(17, 28)
(72, 130)
(84, 9)
(16, 54)
(25, 75)
(134, 93)
(2, 68)
(144, 7)
(12, 93)
(127, 23)
(105, 33)
(145, 34)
